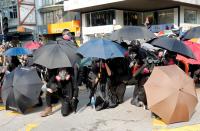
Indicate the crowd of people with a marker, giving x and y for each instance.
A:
(105, 79)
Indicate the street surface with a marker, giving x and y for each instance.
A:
(125, 117)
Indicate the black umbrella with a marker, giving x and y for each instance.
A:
(192, 33)
(21, 89)
(56, 55)
(173, 45)
(132, 33)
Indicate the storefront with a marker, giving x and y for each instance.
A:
(100, 20)
(52, 31)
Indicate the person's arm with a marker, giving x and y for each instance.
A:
(108, 70)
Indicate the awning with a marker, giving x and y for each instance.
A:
(138, 5)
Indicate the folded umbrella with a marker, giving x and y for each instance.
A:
(21, 89)
(173, 45)
(132, 33)
(17, 51)
(196, 51)
(171, 94)
(100, 48)
(56, 55)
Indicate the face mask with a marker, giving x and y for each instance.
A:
(62, 74)
(66, 37)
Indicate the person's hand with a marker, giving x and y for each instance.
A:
(49, 90)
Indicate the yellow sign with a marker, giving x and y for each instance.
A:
(73, 26)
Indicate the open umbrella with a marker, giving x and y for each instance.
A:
(100, 48)
(132, 33)
(56, 55)
(173, 45)
(196, 51)
(17, 51)
(21, 89)
(192, 33)
(31, 45)
(171, 94)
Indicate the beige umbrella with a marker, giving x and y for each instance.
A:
(171, 94)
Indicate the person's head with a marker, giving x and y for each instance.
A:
(66, 34)
(62, 73)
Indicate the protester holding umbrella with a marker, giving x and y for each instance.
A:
(101, 73)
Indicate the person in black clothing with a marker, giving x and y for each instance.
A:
(62, 86)
(100, 88)
(13, 63)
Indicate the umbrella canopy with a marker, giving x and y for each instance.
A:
(192, 33)
(100, 48)
(132, 33)
(174, 99)
(173, 45)
(196, 51)
(17, 51)
(56, 55)
(31, 45)
(21, 89)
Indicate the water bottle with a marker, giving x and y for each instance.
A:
(93, 102)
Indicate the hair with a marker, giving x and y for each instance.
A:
(65, 30)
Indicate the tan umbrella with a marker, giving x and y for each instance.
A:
(171, 94)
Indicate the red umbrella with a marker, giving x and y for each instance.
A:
(31, 45)
(195, 47)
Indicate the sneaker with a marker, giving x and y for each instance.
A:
(47, 111)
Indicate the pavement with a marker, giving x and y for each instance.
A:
(124, 117)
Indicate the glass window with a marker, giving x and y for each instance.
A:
(51, 18)
(102, 18)
(13, 12)
(45, 18)
(190, 16)
(166, 16)
(87, 19)
(130, 18)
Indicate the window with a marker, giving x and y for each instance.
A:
(13, 12)
(130, 18)
(190, 16)
(166, 16)
(102, 18)
(45, 18)
(87, 19)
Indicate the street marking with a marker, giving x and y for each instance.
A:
(2, 108)
(13, 113)
(29, 127)
(159, 125)
(157, 122)
(184, 128)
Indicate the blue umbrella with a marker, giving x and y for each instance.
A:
(17, 51)
(100, 48)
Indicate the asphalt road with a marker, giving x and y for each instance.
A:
(125, 117)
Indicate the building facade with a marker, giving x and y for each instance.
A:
(21, 21)
(103, 17)
(52, 20)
